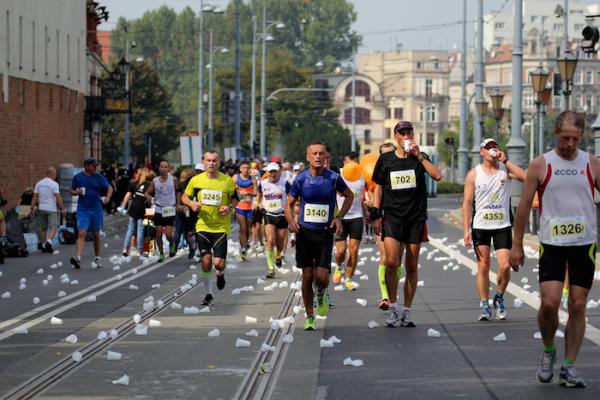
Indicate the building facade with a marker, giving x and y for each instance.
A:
(44, 76)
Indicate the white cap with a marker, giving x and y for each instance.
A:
(273, 166)
(199, 167)
(488, 141)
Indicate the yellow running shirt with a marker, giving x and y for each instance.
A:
(212, 194)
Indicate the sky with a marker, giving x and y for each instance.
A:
(384, 24)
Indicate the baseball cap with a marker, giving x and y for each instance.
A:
(90, 161)
(402, 125)
(273, 166)
(488, 141)
(199, 167)
(276, 159)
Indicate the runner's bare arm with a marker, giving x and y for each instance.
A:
(194, 205)
(289, 214)
(150, 191)
(596, 172)
(467, 207)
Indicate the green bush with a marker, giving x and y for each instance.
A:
(449, 187)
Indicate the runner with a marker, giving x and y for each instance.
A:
(217, 197)
(136, 211)
(272, 195)
(164, 188)
(352, 225)
(89, 186)
(47, 202)
(247, 189)
(564, 178)
(316, 188)
(487, 216)
(400, 197)
(185, 219)
(384, 303)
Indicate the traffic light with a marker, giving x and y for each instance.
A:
(590, 38)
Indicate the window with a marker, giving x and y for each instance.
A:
(499, 25)
(557, 27)
(436, 65)
(597, 102)
(556, 102)
(533, 18)
(428, 87)
(363, 116)
(367, 136)
(589, 77)
(577, 78)
(419, 65)
(388, 113)
(430, 139)
(362, 89)
(578, 27)
(398, 113)
(528, 100)
(577, 101)
(588, 102)
(388, 132)
(431, 114)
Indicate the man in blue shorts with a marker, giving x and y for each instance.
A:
(90, 187)
(316, 187)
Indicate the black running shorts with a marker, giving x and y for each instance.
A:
(415, 232)
(580, 259)
(313, 248)
(502, 237)
(159, 220)
(279, 221)
(258, 216)
(351, 227)
(212, 243)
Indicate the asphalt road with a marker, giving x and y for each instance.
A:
(179, 359)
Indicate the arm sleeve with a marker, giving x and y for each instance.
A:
(36, 188)
(56, 188)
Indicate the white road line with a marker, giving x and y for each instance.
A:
(591, 332)
(36, 321)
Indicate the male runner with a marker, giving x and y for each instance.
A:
(352, 225)
(247, 187)
(564, 178)
(316, 188)
(217, 197)
(487, 216)
(400, 197)
(164, 188)
(272, 196)
(47, 202)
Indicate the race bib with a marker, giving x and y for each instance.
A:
(273, 205)
(245, 197)
(317, 213)
(211, 197)
(403, 179)
(567, 230)
(492, 216)
(168, 212)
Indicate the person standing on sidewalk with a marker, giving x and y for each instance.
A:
(164, 188)
(316, 188)
(46, 203)
(487, 217)
(400, 214)
(217, 197)
(565, 179)
(89, 186)
(136, 211)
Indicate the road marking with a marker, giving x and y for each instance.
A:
(591, 332)
(36, 321)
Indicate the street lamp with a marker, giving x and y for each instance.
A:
(212, 52)
(566, 66)
(539, 77)
(124, 69)
(482, 109)
(263, 82)
(498, 111)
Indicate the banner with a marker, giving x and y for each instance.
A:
(191, 153)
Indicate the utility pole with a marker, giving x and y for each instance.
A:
(353, 139)
(201, 79)
(463, 153)
(253, 90)
(126, 149)
(475, 157)
(564, 99)
(237, 79)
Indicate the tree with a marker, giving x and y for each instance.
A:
(152, 115)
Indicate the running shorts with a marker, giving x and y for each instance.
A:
(351, 227)
(415, 232)
(502, 237)
(580, 259)
(212, 243)
(313, 248)
(279, 221)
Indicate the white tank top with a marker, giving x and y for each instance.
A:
(492, 199)
(164, 193)
(568, 211)
(274, 196)
(356, 188)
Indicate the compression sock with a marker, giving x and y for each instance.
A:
(549, 348)
(270, 256)
(382, 285)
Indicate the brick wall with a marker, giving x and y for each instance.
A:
(41, 125)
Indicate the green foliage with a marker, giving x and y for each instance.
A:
(444, 187)
(334, 135)
(151, 115)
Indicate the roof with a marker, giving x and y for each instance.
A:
(105, 42)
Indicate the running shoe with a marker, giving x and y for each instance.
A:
(384, 304)
(350, 285)
(260, 248)
(486, 313)
(161, 258)
(283, 260)
(172, 251)
(221, 281)
(278, 262)
(569, 377)
(208, 299)
(191, 253)
(545, 372)
(329, 300)
(76, 262)
(124, 253)
(406, 320)
(337, 275)
(322, 305)
(48, 247)
(310, 323)
(98, 262)
(271, 275)
(243, 255)
(394, 319)
(499, 307)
